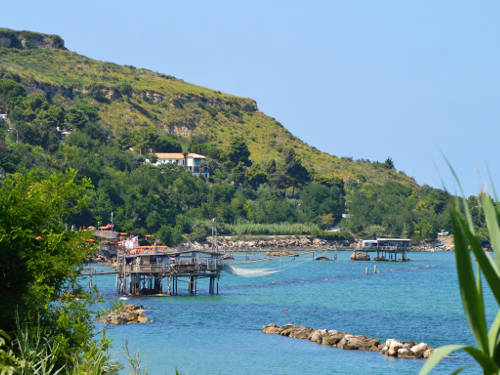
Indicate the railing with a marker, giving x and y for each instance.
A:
(178, 266)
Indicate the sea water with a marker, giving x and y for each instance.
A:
(203, 334)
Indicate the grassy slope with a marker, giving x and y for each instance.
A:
(175, 106)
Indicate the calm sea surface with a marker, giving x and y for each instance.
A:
(205, 334)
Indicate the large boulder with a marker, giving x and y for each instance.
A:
(316, 336)
(301, 333)
(405, 353)
(428, 353)
(271, 329)
(352, 342)
(360, 256)
(287, 329)
(419, 349)
(332, 338)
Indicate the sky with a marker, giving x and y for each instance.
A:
(410, 80)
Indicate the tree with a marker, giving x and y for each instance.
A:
(389, 164)
(166, 143)
(10, 93)
(238, 153)
(296, 174)
(256, 176)
(38, 256)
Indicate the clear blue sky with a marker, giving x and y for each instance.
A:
(366, 79)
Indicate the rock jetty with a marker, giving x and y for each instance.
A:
(272, 244)
(347, 341)
(126, 314)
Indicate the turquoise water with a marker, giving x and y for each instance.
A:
(205, 334)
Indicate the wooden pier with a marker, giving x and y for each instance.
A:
(160, 273)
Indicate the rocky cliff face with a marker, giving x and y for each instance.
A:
(29, 40)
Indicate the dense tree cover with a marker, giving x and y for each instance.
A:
(396, 210)
(172, 204)
(40, 258)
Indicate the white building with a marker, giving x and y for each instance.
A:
(188, 161)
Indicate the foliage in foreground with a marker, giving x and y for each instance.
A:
(46, 323)
(487, 350)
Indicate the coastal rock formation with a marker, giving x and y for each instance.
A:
(347, 341)
(322, 258)
(360, 256)
(273, 245)
(29, 40)
(126, 314)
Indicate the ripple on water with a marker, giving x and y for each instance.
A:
(221, 334)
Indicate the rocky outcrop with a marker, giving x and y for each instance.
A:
(360, 256)
(347, 341)
(126, 314)
(29, 40)
(323, 259)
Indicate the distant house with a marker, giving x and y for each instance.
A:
(188, 161)
(4, 116)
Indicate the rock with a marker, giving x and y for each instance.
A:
(352, 342)
(393, 347)
(332, 338)
(322, 258)
(419, 349)
(126, 314)
(360, 256)
(346, 341)
(428, 353)
(405, 353)
(301, 333)
(271, 329)
(316, 337)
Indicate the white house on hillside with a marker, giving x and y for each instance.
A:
(189, 161)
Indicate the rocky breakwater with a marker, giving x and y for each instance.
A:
(343, 340)
(271, 244)
(126, 314)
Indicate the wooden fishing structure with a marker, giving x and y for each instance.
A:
(160, 272)
(387, 249)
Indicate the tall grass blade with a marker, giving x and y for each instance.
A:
(490, 271)
(490, 215)
(437, 356)
(489, 366)
(458, 371)
(493, 338)
(492, 183)
(470, 296)
(464, 200)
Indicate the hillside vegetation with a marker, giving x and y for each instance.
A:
(66, 111)
(128, 98)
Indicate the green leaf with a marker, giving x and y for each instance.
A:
(490, 215)
(457, 371)
(464, 200)
(492, 183)
(471, 300)
(493, 336)
(437, 356)
(487, 363)
(488, 268)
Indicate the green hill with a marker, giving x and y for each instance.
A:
(129, 97)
